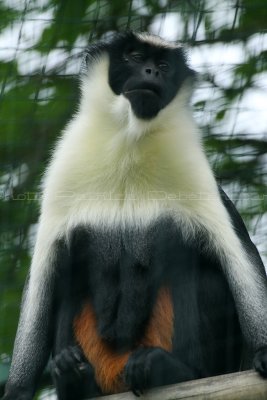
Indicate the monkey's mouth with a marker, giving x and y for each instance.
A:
(146, 89)
(140, 92)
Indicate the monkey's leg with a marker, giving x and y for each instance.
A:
(152, 364)
(111, 368)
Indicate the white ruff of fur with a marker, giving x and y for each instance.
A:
(112, 169)
(157, 41)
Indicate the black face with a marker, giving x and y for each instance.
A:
(149, 76)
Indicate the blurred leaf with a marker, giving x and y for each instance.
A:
(254, 16)
(220, 115)
(7, 16)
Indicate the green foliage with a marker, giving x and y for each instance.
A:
(68, 16)
(254, 19)
(7, 16)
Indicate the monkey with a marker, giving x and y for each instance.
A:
(143, 272)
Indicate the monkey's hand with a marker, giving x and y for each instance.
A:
(153, 366)
(260, 361)
(69, 362)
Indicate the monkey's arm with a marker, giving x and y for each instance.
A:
(260, 358)
(31, 348)
(34, 335)
(242, 232)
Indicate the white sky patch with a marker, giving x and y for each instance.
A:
(208, 94)
(9, 42)
(139, 7)
(257, 43)
(253, 118)
(163, 3)
(219, 60)
(196, 30)
(241, 154)
(32, 61)
(169, 26)
(19, 5)
(217, 55)
(22, 35)
(220, 13)
(260, 81)
(44, 95)
(15, 4)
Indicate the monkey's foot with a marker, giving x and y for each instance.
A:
(260, 361)
(73, 375)
(153, 366)
(69, 360)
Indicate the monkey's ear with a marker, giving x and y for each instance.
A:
(95, 50)
(91, 54)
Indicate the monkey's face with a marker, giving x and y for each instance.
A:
(149, 76)
(146, 70)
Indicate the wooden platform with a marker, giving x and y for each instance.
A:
(246, 385)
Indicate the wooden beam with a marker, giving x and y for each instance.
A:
(247, 385)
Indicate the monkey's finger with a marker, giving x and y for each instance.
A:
(136, 392)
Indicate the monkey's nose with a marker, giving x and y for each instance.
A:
(151, 71)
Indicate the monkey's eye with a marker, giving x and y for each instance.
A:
(137, 57)
(164, 66)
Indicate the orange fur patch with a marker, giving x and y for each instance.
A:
(109, 364)
(159, 331)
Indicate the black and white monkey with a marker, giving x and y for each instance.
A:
(143, 272)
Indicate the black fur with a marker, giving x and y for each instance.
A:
(121, 276)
